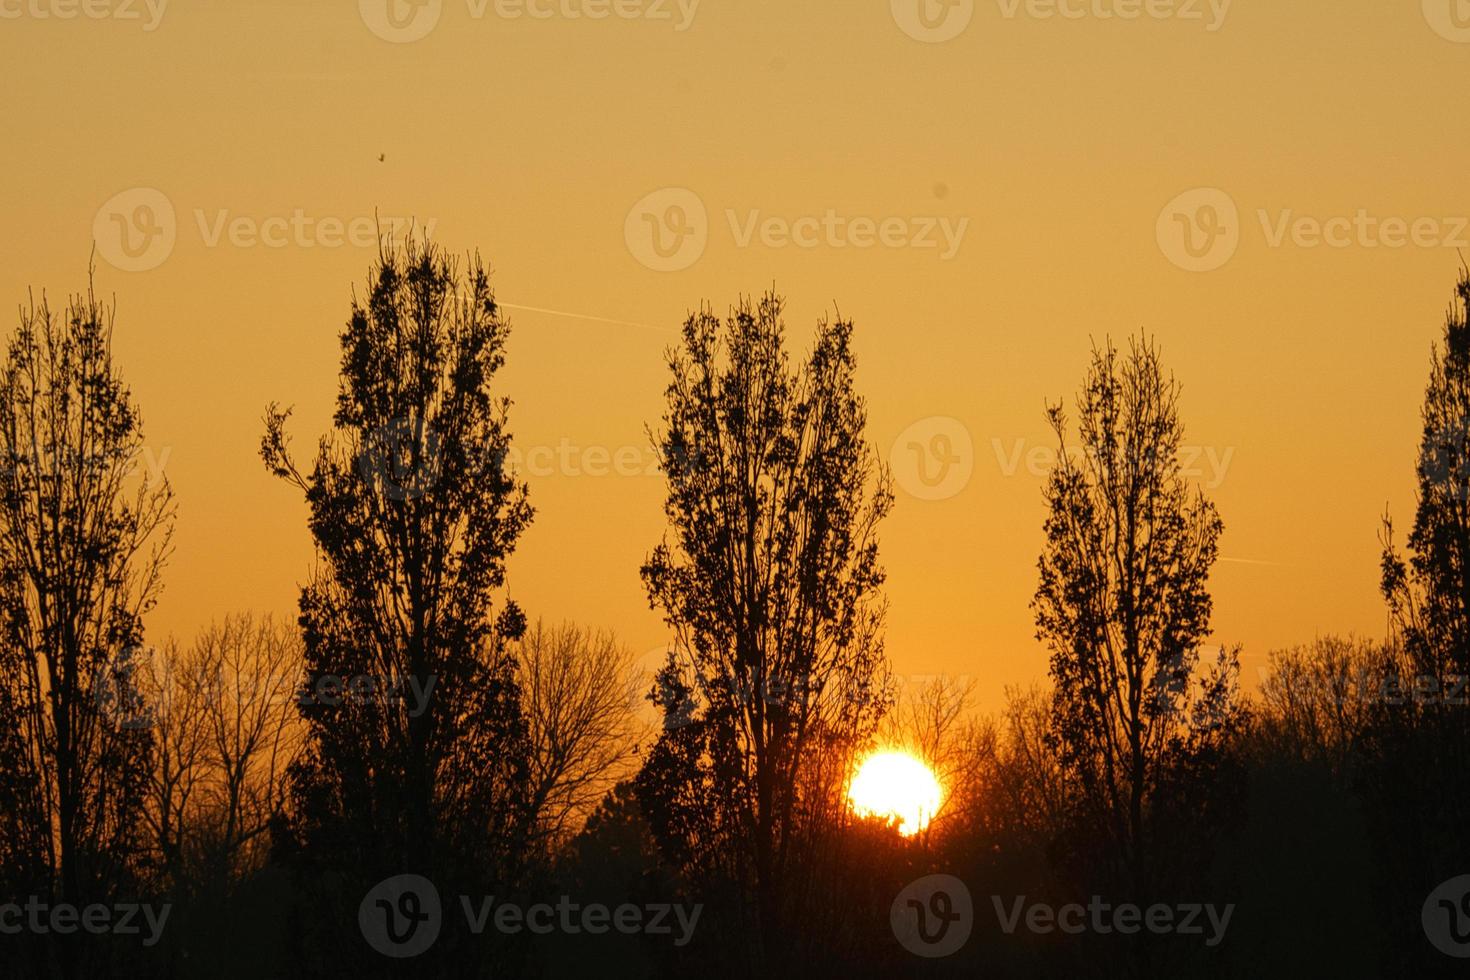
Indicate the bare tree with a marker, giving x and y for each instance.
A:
(584, 735)
(254, 667)
(1318, 700)
(228, 728)
(84, 535)
(936, 722)
(1026, 789)
(178, 690)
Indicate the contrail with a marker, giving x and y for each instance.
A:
(584, 316)
(1250, 561)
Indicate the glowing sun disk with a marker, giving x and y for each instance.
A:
(895, 784)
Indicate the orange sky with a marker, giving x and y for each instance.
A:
(982, 189)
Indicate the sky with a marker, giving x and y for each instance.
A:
(985, 188)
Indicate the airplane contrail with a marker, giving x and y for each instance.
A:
(583, 316)
(1250, 561)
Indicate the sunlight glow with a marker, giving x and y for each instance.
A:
(895, 784)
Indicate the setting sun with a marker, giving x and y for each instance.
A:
(895, 784)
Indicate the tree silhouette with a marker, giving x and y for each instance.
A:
(1123, 607)
(1317, 699)
(227, 730)
(574, 688)
(1429, 592)
(770, 582)
(935, 722)
(417, 750)
(83, 539)
(1420, 729)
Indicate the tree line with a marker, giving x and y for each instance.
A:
(270, 791)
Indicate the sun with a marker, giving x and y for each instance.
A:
(893, 784)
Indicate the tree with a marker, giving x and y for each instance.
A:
(252, 667)
(1429, 591)
(180, 692)
(1420, 734)
(83, 539)
(935, 722)
(417, 752)
(582, 730)
(1317, 700)
(1025, 792)
(227, 730)
(770, 582)
(1123, 607)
